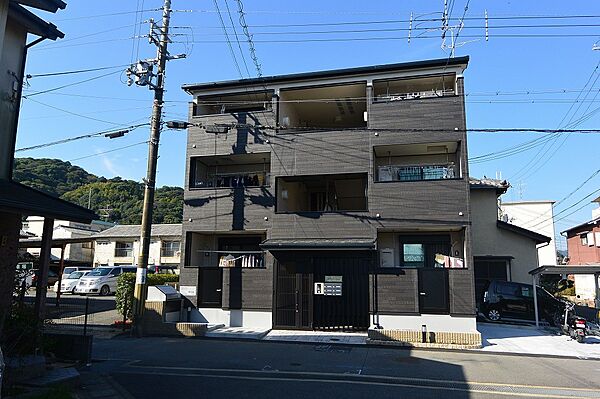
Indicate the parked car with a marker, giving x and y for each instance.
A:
(70, 269)
(52, 278)
(68, 283)
(101, 280)
(163, 269)
(509, 300)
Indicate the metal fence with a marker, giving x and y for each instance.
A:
(77, 314)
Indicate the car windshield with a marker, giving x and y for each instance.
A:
(75, 275)
(99, 272)
(68, 270)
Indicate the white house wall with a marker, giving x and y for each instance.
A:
(528, 215)
(105, 252)
(489, 240)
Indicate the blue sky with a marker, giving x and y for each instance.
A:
(503, 81)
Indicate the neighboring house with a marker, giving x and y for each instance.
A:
(16, 200)
(537, 216)
(583, 246)
(120, 245)
(81, 252)
(501, 250)
(320, 200)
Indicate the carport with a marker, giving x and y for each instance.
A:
(563, 270)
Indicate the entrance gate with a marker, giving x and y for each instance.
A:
(343, 303)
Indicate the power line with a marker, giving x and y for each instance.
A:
(566, 209)
(237, 39)
(249, 38)
(109, 151)
(85, 136)
(95, 16)
(71, 84)
(73, 113)
(237, 66)
(40, 75)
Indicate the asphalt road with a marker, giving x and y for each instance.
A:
(184, 368)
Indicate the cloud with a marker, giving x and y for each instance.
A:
(109, 165)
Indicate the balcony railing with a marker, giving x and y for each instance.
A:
(233, 180)
(123, 253)
(416, 172)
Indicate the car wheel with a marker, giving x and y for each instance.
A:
(105, 290)
(494, 315)
(73, 291)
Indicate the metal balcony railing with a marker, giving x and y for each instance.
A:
(416, 172)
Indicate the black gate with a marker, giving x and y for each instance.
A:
(293, 299)
(298, 307)
(350, 310)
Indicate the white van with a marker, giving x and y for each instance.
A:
(102, 280)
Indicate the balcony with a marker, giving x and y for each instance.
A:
(230, 171)
(417, 162)
(392, 90)
(233, 103)
(327, 107)
(322, 193)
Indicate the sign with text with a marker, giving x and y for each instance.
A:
(332, 289)
(333, 279)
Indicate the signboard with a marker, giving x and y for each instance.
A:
(319, 289)
(333, 279)
(332, 289)
(140, 276)
(187, 290)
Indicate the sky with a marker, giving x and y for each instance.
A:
(520, 77)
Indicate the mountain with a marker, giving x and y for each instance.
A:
(114, 200)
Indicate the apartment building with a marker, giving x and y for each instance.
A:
(331, 200)
(120, 245)
(81, 253)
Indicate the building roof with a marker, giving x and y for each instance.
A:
(32, 23)
(501, 186)
(575, 269)
(589, 223)
(133, 230)
(318, 243)
(441, 62)
(528, 202)
(538, 238)
(46, 5)
(18, 198)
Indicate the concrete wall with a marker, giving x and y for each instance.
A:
(489, 240)
(535, 216)
(104, 253)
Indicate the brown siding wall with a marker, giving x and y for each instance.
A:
(401, 205)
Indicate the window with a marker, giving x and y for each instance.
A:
(86, 245)
(584, 239)
(124, 249)
(508, 289)
(420, 251)
(413, 255)
(169, 248)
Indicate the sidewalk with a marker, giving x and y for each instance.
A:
(100, 386)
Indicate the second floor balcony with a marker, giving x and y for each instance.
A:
(417, 162)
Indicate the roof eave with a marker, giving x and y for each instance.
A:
(538, 238)
(32, 23)
(45, 5)
(441, 62)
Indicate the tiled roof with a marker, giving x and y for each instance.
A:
(501, 186)
(133, 230)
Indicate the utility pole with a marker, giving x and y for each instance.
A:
(142, 73)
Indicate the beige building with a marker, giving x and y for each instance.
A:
(536, 216)
(501, 250)
(120, 245)
(63, 229)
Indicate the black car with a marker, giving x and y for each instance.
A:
(508, 300)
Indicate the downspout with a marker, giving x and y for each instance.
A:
(20, 80)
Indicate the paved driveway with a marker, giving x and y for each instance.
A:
(530, 340)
